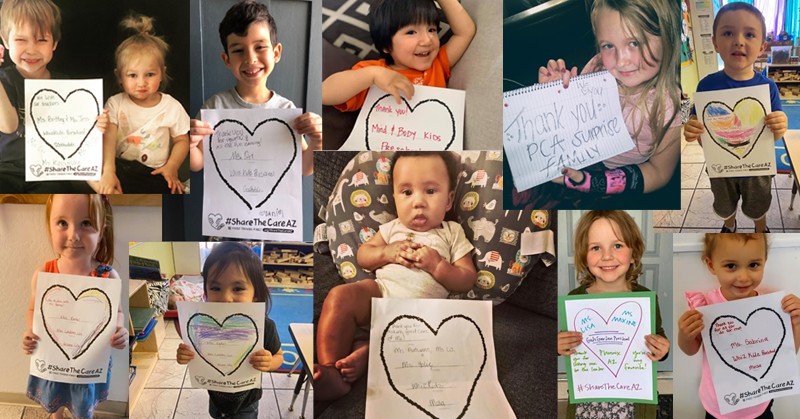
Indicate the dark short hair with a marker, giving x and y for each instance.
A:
(241, 16)
(386, 17)
(731, 7)
(450, 161)
(227, 253)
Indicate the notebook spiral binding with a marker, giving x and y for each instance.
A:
(547, 85)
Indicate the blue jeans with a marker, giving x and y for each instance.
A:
(249, 412)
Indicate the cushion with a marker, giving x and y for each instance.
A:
(363, 200)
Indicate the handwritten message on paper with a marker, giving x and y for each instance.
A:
(432, 120)
(74, 317)
(223, 336)
(61, 140)
(735, 140)
(253, 174)
(611, 363)
(750, 350)
(434, 358)
(547, 127)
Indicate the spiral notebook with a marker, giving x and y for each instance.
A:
(547, 127)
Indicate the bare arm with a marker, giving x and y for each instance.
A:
(277, 360)
(32, 303)
(458, 277)
(657, 171)
(462, 26)
(340, 87)
(180, 148)
(120, 315)
(370, 254)
(375, 253)
(689, 327)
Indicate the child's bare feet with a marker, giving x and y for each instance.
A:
(328, 383)
(354, 366)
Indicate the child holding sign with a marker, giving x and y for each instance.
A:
(82, 233)
(737, 260)
(31, 29)
(417, 255)
(608, 259)
(143, 119)
(233, 273)
(250, 40)
(739, 38)
(406, 33)
(638, 45)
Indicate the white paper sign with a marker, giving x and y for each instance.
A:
(253, 175)
(611, 362)
(432, 120)
(223, 336)
(735, 140)
(61, 141)
(433, 358)
(750, 349)
(547, 127)
(75, 317)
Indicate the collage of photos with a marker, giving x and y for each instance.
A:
(317, 209)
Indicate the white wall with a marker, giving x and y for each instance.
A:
(187, 258)
(690, 274)
(24, 246)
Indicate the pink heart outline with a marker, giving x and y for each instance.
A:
(575, 326)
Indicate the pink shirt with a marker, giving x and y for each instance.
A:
(633, 118)
(707, 394)
(645, 140)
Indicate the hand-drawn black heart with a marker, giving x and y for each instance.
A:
(766, 312)
(457, 320)
(731, 399)
(412, 109)
(216, 221)
(36, 169)
(717, 167)
(237, 332)
(213, 137)
(735, 130)
(73, 339)
(199, 379)
(41, 365)
(62, 150)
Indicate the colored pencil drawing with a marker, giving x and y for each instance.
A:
(736, 130)
(224, 346)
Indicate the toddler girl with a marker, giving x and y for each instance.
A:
(406, 33)
(638, 44)
(82, 233)
(737, 260)
(233, 273)
(417, 255)
(143, 119)
(608, 258)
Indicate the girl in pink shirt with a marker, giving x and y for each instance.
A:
(737, 260)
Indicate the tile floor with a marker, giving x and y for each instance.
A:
(168, 393)
(23, 412)
(696, 214)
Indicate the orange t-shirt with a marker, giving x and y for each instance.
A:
(435, 76)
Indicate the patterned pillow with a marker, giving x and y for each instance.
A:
(362, 201)
(495, 233)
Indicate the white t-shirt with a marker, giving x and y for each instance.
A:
(230, 99)
(144, 133)
(397, 281)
